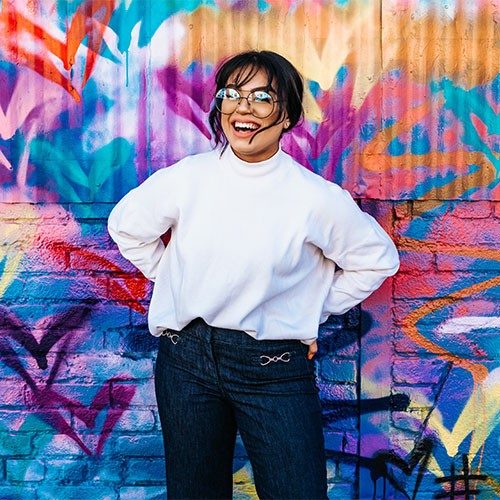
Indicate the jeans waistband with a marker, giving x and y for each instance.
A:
(202, 329)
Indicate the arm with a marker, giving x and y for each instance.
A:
(142, 216)
(356, 242)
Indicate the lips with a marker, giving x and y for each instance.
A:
(244, 128)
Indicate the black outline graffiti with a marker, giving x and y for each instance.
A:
(464, 478)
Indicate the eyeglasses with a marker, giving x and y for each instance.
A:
(261, 104)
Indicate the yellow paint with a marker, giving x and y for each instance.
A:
(480, 416)
(317, 41)
(18, 237)
(243, 484)
(369, 39)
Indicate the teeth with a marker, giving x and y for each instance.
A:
(250, 126)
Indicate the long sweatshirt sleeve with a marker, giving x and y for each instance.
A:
(356, 242)
(143, 215)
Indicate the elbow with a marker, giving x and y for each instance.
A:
(392, 262)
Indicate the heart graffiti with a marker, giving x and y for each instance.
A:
(48, 404)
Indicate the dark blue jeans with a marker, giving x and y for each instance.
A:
(211, 382)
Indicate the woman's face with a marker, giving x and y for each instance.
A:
(266, 143)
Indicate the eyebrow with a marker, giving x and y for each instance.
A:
(264, 87)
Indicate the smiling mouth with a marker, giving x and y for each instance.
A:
(245, 127)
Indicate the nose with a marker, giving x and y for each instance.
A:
(244, 104)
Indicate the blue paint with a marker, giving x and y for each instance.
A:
(462, 103)
(495, 89)
(342, 75)
(420, 143)
(150, 15)
(421, 227)
(263, 6)
(396, 147)
(367, 131)
(338, 175)
(314, 87)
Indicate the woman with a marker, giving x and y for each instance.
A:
(248, 275)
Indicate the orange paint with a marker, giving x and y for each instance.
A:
(409, 327)
(413, 245)
(91, 19)
(374, 156)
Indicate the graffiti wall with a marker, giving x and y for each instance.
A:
(402, 109)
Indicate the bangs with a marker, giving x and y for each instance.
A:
(243, 74)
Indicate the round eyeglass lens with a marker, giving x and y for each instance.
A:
(260, 102)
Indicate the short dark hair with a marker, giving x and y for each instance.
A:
(290, 87)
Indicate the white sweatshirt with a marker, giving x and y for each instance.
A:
(253, 245)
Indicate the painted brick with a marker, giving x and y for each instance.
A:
(331, 470)
(346, 472)
(342, 424)
(136, 420)
(141, 445)
(337, 392)
(91, 210)
(104, 471)
(139, 319)
(341, 491)
(95, 368)
(13, 445)
(453, 230)
(335, 370)
(61, 445)
(100, 260)
(434, 285)
(51, 492)
(143, 493)
(130, 420)
(29, 420)
(41, 261)
(55, 288)
(20, 211)
(410, 420)
(426, 208)
(402, 210)
(351, 439)
(94, 235)
(459, 263)
(472, 210)
(65, 471)
(17, 493)
(144, 396)
(417, 370)
(421, 396)
(136, 341)
(15, 289)
(145, 470)
(496, 209)
(117, 317)
(416, 262)
(404, 345)
(78, 394)
(25, 470)
(11, 395)
(334, 441)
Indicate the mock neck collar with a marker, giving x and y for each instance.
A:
(253, 169)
